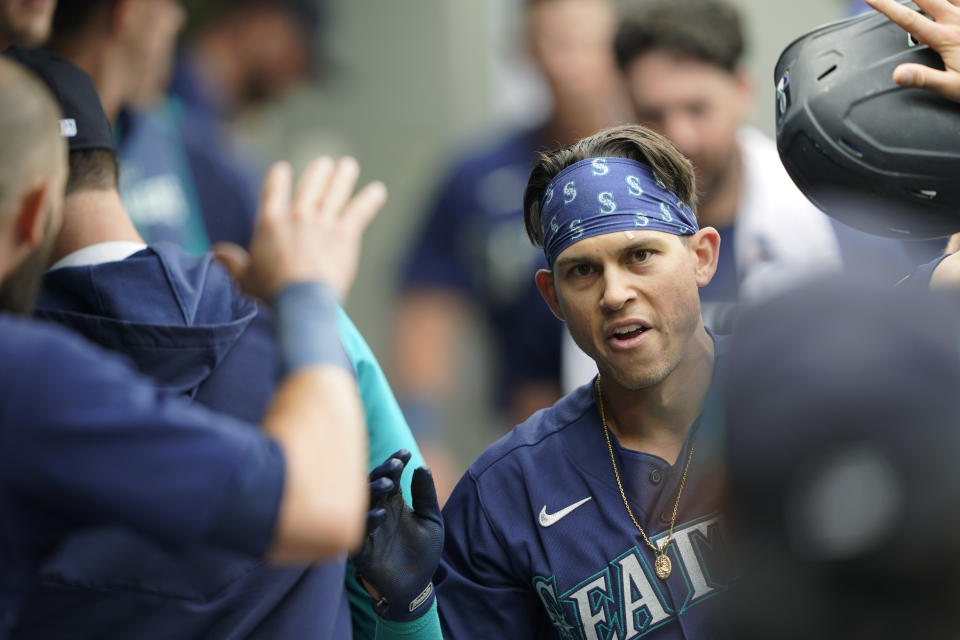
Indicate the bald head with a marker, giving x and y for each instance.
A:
(32, 149)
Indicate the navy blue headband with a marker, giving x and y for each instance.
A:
(602, 195)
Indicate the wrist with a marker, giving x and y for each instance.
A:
(306, 326)
(406, 612)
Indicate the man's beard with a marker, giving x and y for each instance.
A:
(19, 290)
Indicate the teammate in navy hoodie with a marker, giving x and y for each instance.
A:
(183, 322)
(87, 441)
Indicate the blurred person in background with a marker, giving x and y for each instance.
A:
(472, 259)
(682, 64)
(177, 186)
(238, 53)
(25, 23)
(235, 55)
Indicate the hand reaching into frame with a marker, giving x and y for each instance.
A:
(941, 33)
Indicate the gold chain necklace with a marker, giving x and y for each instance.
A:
(662, 565)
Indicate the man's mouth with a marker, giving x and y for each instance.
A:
(627, 332)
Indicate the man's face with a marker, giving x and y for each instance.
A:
(696, 105)
(571, 42)
(630, 301)
(25, 22)
(279, 61)
(19, 289)
(150, 42)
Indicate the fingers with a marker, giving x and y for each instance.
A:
(275, 199)
(312, 184)
(923, 29)
(375, 518)
(341, 186)
(941, 10)
(381, 487)
(234, 257)
(917, 75)
(425, 501)
(365, 205)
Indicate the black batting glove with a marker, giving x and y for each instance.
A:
(403, 545)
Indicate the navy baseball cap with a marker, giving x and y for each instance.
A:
(84, 124)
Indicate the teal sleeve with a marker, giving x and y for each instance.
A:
(426, 627)
(388, 432)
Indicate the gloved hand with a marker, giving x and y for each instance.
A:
(403, 545)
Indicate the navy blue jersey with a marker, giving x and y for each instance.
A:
(183, 322)
(474, 243)
(85, 442)
(539, 543)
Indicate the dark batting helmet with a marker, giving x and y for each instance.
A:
(874, 155)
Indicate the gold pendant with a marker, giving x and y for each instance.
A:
(662, 566)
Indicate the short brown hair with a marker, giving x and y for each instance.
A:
(633, 142)
(93, 169)
(705, 30)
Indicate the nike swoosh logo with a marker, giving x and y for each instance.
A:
(550, 519)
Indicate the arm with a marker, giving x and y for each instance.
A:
(312, 236)
(942, 34)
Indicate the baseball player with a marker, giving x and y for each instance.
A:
(597, 517)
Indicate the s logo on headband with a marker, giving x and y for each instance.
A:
(607, 202)
(666, 212)
(600, 167)
(633, 186)
(569, 192)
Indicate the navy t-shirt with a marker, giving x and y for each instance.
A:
(85, 441)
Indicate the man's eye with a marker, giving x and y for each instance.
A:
(582, 270)
(641, 255)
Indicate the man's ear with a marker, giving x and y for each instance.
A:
(548, 289)
(32, 212)
(705, 247)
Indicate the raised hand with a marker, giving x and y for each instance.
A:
(940, 31)
(313, 234)
(403, 545)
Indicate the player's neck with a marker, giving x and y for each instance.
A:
(720, 200)
(91, 217)
(656, 419)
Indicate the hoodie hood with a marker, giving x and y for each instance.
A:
(176, 316)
